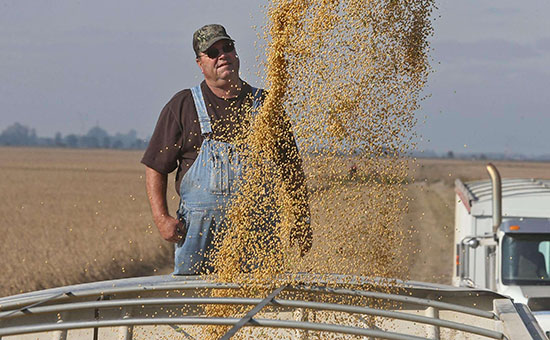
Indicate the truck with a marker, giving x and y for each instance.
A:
(502, 239)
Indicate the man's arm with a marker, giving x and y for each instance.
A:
(170, 228)
(290, 166)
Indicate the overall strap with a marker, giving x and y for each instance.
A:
(257, 99)
(204, 119)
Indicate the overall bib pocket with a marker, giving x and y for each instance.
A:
(224, 169)
(219, 177)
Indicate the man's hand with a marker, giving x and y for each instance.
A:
(172, 229)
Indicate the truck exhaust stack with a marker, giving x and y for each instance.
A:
(497, 195)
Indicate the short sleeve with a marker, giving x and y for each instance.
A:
(163, 152)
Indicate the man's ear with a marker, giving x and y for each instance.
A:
(199, 63)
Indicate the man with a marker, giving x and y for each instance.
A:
(195, 134)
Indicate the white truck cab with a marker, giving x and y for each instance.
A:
(502, 240)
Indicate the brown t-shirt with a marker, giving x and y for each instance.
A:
(177, 138)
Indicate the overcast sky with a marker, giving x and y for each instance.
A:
(66, 66)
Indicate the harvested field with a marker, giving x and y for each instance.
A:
(70, 216)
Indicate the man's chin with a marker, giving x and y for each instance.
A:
(227, 74)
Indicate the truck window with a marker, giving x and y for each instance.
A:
(526, 259)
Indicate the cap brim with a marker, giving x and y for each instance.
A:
(215, 40)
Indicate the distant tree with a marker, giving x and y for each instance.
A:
(91, 142)
(138, 144)
(132, 134)
(450, 154)
(58, 140)
(45, 141)
(106, 142)
(127, 141)
(96, 137)
(71, 141)
(18, 134)
(117, 144)
(98, 133)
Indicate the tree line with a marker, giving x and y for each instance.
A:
(96, 138)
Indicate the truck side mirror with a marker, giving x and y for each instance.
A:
(473, 243)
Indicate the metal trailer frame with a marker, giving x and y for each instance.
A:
(121, 303)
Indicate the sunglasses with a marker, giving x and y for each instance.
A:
(213, 53)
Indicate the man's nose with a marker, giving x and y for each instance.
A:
(223, 54)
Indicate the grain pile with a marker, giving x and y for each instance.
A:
(347, 76)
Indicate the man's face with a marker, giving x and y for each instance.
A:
(224, 66)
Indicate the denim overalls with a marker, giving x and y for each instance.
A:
(205, 191)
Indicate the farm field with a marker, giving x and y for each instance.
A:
(71, 216)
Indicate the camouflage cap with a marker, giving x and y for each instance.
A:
(207, 35)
